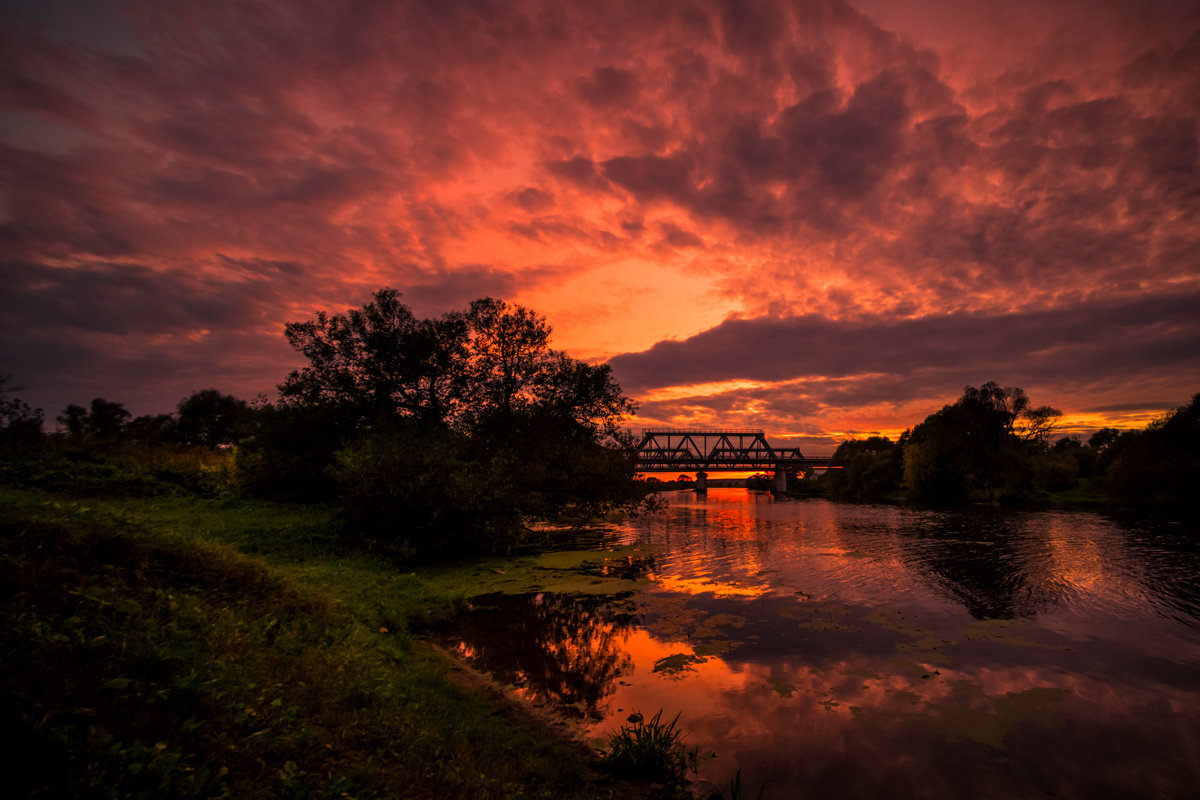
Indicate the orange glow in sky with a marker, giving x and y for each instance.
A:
(822, 219)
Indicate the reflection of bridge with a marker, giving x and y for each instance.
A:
(700, 450)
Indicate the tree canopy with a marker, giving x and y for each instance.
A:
(469, 370)
(981, 444)
(447, 432)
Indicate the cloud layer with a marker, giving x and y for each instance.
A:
(827, 217)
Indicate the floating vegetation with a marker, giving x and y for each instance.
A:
(997, 630)
(990, 727)
(677, 664)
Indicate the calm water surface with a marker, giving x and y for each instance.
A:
(872, 651)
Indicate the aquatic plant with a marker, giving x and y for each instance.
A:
(650, 750)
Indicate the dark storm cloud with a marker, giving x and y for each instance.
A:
(122, 298)
(580, 171)
(674, 236)
(1143, 406)
(1143, 336)
(135, 338)
(651, 178)
(609, 87)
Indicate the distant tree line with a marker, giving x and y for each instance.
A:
(993, 445)
(453, 434)
(436, 436)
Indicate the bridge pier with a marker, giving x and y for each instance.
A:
(780, 486)
(701, 483)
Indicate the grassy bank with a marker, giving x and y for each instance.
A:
(179, 645)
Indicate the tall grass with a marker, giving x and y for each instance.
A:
(650, 750)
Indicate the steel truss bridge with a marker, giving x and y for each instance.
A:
(705, 450)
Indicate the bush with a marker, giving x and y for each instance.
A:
(650, 750)
(416, 491)
(289, 452)
(120, 470)
(871, 469)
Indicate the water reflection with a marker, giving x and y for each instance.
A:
(992, 563)
(860, 650)
(560, 649)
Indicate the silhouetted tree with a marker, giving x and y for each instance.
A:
(983, 443)
(209, 418)
(1161, 465)
(510, 354)
(476, 370)
(470, 399)
(379, 360)
(20, 424)
(1103, 438)
(104, 421)
(153, 429)
(74, 420)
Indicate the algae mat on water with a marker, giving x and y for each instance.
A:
(609, 570)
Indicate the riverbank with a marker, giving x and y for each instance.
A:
(190, 646)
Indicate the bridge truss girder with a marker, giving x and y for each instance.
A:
(700, 450)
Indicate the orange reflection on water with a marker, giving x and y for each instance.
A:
(702, 585)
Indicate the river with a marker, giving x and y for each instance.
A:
(830, 650)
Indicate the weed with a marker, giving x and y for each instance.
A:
(650, 750)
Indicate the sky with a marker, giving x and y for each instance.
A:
(821, 219)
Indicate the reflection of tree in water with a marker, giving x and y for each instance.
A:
(562, 649)
(990, 563)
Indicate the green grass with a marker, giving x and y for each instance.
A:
(176, 644)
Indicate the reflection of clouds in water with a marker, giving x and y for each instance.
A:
(877, 728)
(860, 673)
(880, 651)
(995, 563)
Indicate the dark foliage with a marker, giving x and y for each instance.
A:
(379, 360)
(290, 450)
(208, 418)
(103, 421)
(866, 470)
(443, 435)
(20, 424)
(984, 445)
(1161, 465)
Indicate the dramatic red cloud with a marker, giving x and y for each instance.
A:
(819, 218)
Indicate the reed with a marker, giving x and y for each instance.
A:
(650, 749)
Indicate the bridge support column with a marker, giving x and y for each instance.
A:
(780, 486)
(701, 483)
